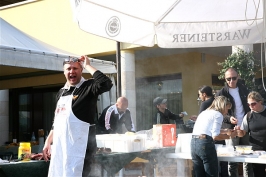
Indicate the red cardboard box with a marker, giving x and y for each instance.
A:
(164, 135)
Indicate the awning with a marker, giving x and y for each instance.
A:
(21, 50)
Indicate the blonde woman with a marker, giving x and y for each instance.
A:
(207, 129)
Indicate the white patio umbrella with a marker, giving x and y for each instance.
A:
(173, 23)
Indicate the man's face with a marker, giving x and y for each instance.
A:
(231, 78)
(254, 105)
(73, 72)
(162, 107)
(202, 96)
(121, 106)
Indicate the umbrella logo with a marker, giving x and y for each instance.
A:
(77, 2)
(113, 26)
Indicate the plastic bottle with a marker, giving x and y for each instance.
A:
(24, 151)
(41, 136)
(14, 138)
(33, 139)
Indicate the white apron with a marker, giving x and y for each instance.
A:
(70, 137)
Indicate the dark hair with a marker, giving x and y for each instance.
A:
(206, 89)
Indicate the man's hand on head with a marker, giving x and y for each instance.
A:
(87, 64)
(84, 60)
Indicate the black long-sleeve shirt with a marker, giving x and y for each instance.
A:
(165, 117)
(85, 97)
(243, 93)
(111, 121)
(205, 104)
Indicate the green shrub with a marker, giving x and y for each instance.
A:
(245, 64)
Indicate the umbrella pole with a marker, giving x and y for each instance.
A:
(118, 66)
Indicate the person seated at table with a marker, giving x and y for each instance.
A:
(163, 114)
(114, 116)
(207, 129)
(254, 123)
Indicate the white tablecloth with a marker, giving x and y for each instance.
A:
(242, 158)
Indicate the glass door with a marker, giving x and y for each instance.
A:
(24, 117)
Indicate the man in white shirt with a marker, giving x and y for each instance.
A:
(237, 93)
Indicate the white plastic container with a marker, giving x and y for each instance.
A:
(121, 142)
(218, 146)
(183, 143)
(225, 150)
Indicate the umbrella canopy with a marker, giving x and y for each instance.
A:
(21, 50)
(173, 23)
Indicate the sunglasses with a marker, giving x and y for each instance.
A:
(69, 60)
(231, 78)
(252, 104)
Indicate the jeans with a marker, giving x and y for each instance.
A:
(233, 166)
(204, 157)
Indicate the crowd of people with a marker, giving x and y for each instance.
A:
(233, 116)
(115, 116)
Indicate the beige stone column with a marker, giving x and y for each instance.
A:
(4, 116)
(128, 86)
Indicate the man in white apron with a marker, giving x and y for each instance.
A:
(73, 133)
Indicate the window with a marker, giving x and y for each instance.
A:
(24, 116)
(167, 86)
(31, 109)
(217, 84)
